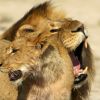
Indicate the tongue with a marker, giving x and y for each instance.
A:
(76, 64)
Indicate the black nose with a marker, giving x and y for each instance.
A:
(15, 75)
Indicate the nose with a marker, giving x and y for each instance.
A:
(15, 75)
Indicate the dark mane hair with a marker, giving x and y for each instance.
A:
(41, 10)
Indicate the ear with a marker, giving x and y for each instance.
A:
(24, 29)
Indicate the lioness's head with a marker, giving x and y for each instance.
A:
(22, 59)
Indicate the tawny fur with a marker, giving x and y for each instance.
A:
(34, 18)
(49, 67)
(7, 90)
(71, 40)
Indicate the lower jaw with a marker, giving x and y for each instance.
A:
(79, 85)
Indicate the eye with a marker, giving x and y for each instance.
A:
(27, 30)
(14, 50)
(79, 29)
(1, 64)
(54, 30)
(11, 50)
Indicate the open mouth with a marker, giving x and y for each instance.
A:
(80, 71)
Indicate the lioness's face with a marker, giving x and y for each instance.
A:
(23, 55)
(23, 59)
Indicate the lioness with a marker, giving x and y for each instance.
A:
(7, 90)
(42, 66)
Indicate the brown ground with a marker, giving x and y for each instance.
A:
(87, 11)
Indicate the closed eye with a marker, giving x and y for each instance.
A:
(14, 50)
(54, 30)
(0, 64)
(28, 30)
(79, 29)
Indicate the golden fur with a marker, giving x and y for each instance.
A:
(42, 14)
(7, 90)
(34, 17)
(71, 40)
(45, 68)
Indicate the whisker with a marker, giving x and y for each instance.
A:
(4, 69)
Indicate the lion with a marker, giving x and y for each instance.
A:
(82, 50)
(82, 58)
(73, 36)
(22, 51)
(7, 90)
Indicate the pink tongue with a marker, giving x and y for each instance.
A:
(76, 63)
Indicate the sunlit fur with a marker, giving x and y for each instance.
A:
(42, 12)
(7, 90)
(34, 17)
(45, 69)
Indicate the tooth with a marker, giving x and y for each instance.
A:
(86, 43)
(85, 70)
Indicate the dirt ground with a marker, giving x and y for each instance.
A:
(87, 11)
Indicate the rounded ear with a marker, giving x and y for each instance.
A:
(24, 29)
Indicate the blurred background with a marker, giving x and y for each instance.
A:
(87, 11)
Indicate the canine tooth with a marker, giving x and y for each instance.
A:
(86, 43)
(85, 70)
